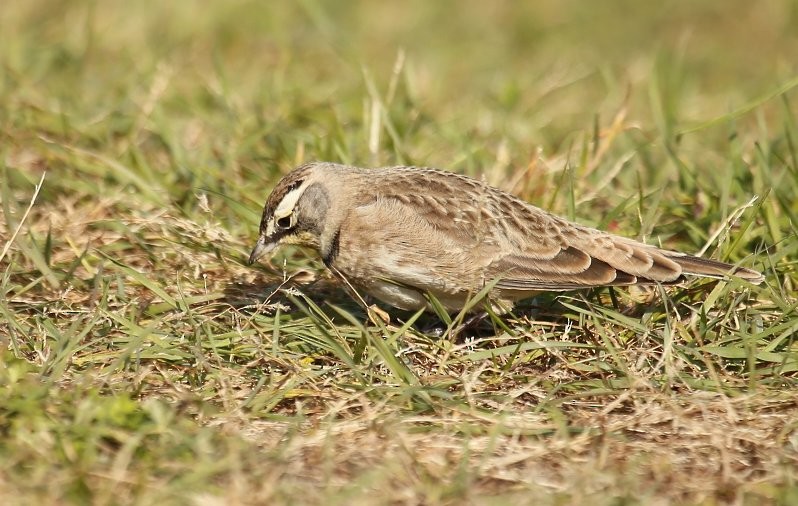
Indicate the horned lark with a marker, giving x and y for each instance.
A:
(399, 233)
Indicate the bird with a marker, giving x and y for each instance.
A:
(409, 236)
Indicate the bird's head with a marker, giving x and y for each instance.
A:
(295, 212)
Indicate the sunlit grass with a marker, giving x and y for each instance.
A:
(144, 362)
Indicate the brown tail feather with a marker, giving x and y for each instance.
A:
(711, 268)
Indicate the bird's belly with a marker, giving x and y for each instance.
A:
(401, 297)
(412, 299)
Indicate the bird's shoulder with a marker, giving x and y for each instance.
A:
(454, 204)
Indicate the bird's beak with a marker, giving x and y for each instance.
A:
(261, 248)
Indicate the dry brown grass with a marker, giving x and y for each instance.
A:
(142, 362)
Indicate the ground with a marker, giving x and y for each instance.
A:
(142, 361)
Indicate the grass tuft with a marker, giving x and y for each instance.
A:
(142, 362)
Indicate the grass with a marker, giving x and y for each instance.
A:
(143, 362)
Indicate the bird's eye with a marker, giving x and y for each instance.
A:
(284, 222)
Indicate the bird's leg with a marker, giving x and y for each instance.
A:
(470, 323)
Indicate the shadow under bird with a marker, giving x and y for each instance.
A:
(397, 233)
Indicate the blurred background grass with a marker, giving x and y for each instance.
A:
(186, 91)
(128, 377)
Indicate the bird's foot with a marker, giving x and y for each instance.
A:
(458, 333)
(375, 312)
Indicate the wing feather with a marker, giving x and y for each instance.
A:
(568, 270)
(488, 234)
